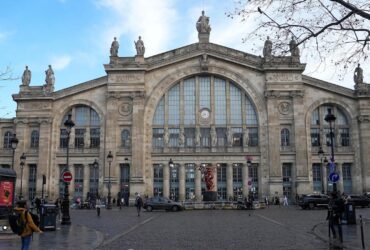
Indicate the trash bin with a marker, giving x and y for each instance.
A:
(48, 217)
(349, 214)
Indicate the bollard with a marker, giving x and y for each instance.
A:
(362, 233)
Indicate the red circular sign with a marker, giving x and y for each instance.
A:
(67, 176)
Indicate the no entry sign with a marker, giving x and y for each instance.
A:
(67, 176)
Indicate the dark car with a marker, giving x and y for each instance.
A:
(313, 200)
(367, 194)
(359, 200)
(161, 203)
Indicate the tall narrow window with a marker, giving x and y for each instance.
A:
(285, 137)
(189, 137)
(287, 180)
(79, 138)
(159, 113)
(125, 138)
(347, 178)
(95, 137)
(220, 101)
(32, 178)
(94, 181)
(157, 140)
(316, 178)
(34, 139)
(174, 105)
(205, 92)
(237, 137)
(315, 137)
(63, 138)
(79, 181)
(189, 181)
(174, 137)
(205, 137)
(236, 105)
(189, 101)
(7, 137)
(158, 179)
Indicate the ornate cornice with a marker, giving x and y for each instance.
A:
(284, 94)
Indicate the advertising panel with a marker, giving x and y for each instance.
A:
(6, 192)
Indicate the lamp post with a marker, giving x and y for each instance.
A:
(330, 118)
(23, 161)
(171, 165)
(321, 156)
(109, 159)
(95, 167)
(66, 219)
(13, 143)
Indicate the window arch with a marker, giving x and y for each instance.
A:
(125, 138)
(320, 129)
(35, 139)
(86, 120)
(201, 110)
(7, 139)
(285, 137)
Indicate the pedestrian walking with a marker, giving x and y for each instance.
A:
(58, 204)
(285, 201)
(97, 205)
(335, 210)
(138, 203)
(29, 227)
(267, 201)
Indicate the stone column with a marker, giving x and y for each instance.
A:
(229, 180)
(44, 158)
(364, 139)
(340, 172)
(182, 177)
(86, 183)
(87, 138)
(245, 180)
(166, 180)
(198, 185)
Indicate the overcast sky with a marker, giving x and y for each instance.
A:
(74, 36)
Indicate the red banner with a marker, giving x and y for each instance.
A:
(6, 193)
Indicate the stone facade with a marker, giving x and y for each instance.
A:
(127, 99)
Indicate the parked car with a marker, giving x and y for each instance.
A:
(359, 200)
(313, 200)
(367, 194)
(161, 203)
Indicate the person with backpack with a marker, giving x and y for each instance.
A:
(138, 203)
(27, 225)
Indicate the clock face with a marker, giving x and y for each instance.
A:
(204, 114)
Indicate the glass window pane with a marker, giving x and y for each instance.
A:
(157, 141)
(159, 113)
(315, 120)
(189, 101)
(205, 92)
(82, 116)
(251, 112)
(174, 105)
(236, 105)
(220, 101)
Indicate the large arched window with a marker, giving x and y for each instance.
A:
(86, 121)
(205, 111)
(7, 137)
(320, 129)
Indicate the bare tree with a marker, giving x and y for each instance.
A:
(7, 74)
(335, 29)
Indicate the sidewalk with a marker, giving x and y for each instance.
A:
(351, 235)
(64, 237)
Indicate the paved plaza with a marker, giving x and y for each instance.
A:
(271, 228)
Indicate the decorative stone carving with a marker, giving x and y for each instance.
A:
(114, 48)
(182, 137)
(213, 136)
(204, 62)
(283, 77)
(126, 78)
(364, 118)
(245, 137)
(284, 108)
(197, 136)
(166, 137)
(49, 76)
(229, 136)
(125, 109)
(26, 77)
(203, 28)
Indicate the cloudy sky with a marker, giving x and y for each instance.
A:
(74, 36)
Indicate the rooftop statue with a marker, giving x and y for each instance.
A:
(26, 77)
(203, 24)
(294, 50)
(358, 76)
(114, 48)
(267, 49)
(49, 78)
(140, 48)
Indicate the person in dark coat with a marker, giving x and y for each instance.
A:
(335, 210)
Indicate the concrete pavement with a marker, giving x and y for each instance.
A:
(88, 231)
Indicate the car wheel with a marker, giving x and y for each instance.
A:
(311, 205)
(149, 208)
(175, 208)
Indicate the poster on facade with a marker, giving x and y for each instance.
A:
(6, 193)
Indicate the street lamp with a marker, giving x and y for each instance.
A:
(95, 167)
(13, 143)
(322, 158)
(171, 165)
(330, 118)
(66, 219)
(109, 159)
(23, 161)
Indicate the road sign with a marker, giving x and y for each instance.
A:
(249, 183)
(67, 176)
(334, 177)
